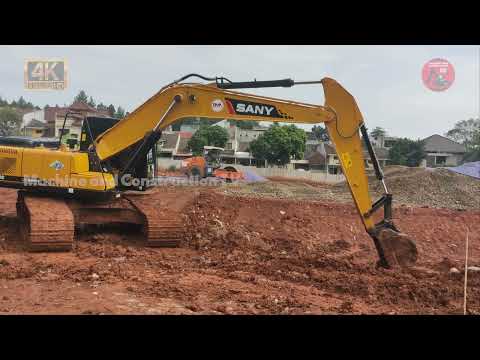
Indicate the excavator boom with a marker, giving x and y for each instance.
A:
(340, 114)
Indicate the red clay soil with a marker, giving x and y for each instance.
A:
(245, 256)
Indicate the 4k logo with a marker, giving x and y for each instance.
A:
(45, 74)
(239, 107)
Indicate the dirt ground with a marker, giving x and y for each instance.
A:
(280, 247)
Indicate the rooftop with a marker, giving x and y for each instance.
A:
(438, 143)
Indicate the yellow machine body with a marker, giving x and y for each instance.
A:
(51, 168)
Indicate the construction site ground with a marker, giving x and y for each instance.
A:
(278, 247)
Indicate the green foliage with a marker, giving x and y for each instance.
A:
(378, 132)
(193, 121)
(102, 107)
(172, 168)
(207, 136)
(111, 110)
(465, 132)
(120, 113)
(81, 97)
(279, 144)
(320, 133)
(10, 121)
(91, 102)
(244, 124)
(407, 152)
(21, 103)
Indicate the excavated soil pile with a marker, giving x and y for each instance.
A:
(438, 188)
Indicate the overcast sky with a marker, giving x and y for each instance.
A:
(385, 80)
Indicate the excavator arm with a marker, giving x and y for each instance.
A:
(341, 116)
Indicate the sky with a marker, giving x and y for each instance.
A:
(385, 80)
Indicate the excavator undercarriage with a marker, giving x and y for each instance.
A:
(49, 223)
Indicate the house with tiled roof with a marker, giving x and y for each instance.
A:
(442, 151)
(322, 156)
(174, 145)
(48, 122)
(73, 123)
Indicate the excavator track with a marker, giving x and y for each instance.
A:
(162, 227)
(46, 224)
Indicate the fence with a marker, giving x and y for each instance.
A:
(166, 163)
(291, 173)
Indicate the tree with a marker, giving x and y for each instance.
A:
(102, 107)
(378, 132)
(464, 132)
(242, 124)
(407, 152)
(279, 144)
(91, 102)
(467, 132)
(10, 121)
(320, 133)
(120, 113)
(22, 104)
(3, 102)
(207, 136)
(81, 97)
(111, 110)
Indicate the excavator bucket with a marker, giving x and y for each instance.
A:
(395, 249)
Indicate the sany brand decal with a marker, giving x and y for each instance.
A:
(240, 107)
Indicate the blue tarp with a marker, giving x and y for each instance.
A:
(251, 176)
(470, 169)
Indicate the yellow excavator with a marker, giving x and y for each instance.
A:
(62, 188)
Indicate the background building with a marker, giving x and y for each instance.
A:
(442, 151)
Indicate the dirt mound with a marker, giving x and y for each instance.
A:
(439, 188)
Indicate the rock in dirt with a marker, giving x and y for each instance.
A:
(454, 271)
(95, 276)
(50, 277)
(4, 262)
(445, 265)
(474, 268)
